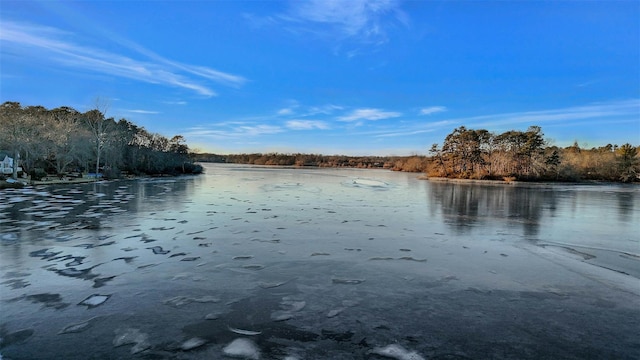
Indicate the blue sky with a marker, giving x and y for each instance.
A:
(333, 77)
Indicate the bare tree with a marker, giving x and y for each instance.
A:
(64, 135)
(20, 130)
(98, 126)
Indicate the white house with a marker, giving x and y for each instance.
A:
(6, 164)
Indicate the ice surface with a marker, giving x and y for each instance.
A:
(292, 305)
(347, 281)
(182, 300)
(94, 300)
(158, 250)
(316, 235)
(76, 328)
(133, 336)
(192, 343)
(212, 316)
(396, 351)
(370, 183)
(242, 348)
(245, 332)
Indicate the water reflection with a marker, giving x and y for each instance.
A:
(625, 205)
(464, 206)
(581, 215)
(316, 264)
(34, 212)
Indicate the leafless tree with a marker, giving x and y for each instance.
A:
(98, 126)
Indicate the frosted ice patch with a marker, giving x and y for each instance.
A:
(288, 306)
(281, 315)
(395, 351)
(253, 267)
(212, 316)
(94, 300)
(347, 281)
(128, 336)
(242, 348)
(76, 328)
(270, 285)
(184, 300)
(244, 332)
(192, 343)
(368, 184)
(292, 306)
(9, 237)
(334, 312)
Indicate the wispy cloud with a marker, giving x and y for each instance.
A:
(323, 110)
(415, 130)
(432, 110)
(138, 111)
(257, 130)
(360, 21)
(607, 112)
(369, 114)
(63, 48)
(236, 130)
(285, 111)
(604, 111)
(300, 110)
(307, 125)
(176, 102)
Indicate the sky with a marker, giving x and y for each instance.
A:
(351, 77)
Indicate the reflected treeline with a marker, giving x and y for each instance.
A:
(87, 206)
(625, 205)
(466, 205)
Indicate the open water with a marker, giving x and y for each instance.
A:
(281, 263)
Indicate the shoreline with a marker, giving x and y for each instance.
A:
(72, 181)
(520, 183)
(62, 181)
(470, 181)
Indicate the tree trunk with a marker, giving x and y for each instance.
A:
(16, 154)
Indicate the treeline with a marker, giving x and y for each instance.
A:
(525, 155)
(64, 140)
(316, 160)
(480, 154)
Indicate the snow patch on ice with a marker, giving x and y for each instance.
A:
(242, 348)
(395, 351)
(132, 336)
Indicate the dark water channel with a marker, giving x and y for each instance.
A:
(275, 263)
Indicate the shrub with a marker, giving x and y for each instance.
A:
(37, 174)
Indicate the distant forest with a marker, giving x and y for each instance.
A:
(480, 154)
(64, 140)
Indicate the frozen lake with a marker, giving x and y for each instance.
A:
(278, 263)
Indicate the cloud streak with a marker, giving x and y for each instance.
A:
(307, 125)
(603, 111)
(138, 111)
(362, 21)
(235, 130)
(607, 112)
(432, 110)
(369, 114)
(61, 47)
